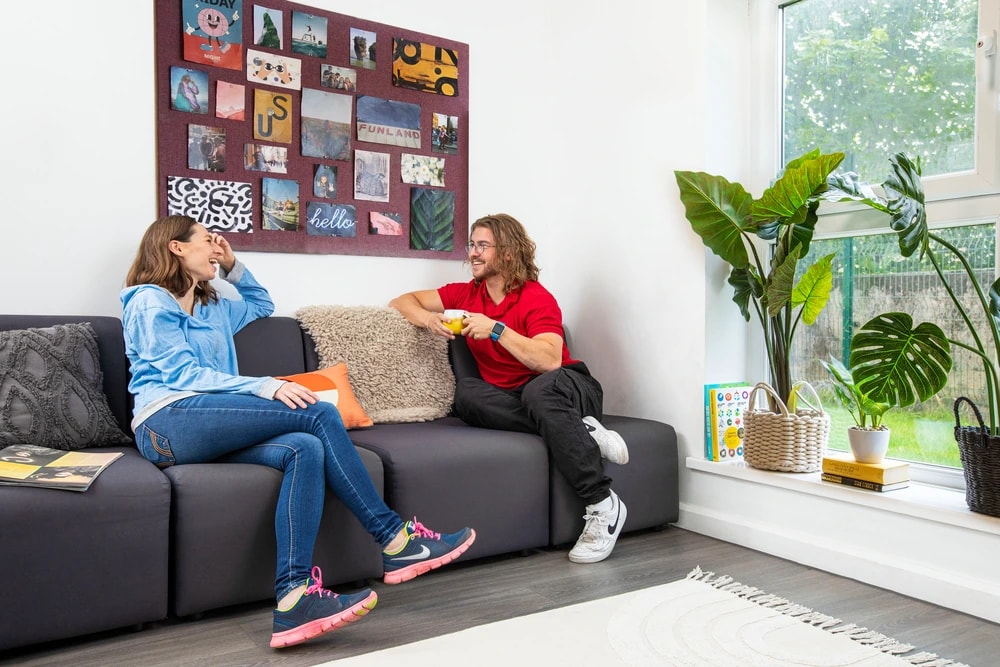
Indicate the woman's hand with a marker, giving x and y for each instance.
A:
(295, 395)
(224, 252)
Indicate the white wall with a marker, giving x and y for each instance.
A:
(611, 99)
(581, 149)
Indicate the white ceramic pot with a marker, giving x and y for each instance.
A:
(868, 446)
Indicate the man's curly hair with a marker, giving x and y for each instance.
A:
(514, 256)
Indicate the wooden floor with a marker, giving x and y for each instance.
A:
(464, 595)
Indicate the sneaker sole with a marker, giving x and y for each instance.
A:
(321, 626)
(423, 567)
(611, 443)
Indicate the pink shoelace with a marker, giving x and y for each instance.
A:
(317, 584)
(420, 530)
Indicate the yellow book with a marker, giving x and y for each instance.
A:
(889, 471)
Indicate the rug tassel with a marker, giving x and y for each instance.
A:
(832, 625)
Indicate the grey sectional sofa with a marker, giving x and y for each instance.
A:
(143, 544)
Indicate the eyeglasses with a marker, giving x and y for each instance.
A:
(482, 246)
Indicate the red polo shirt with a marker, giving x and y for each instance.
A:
(529, 311)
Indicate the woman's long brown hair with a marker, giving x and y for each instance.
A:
(514, 255)
(154, 264)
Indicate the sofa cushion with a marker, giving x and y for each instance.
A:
(51, 389)
(332, 385)
(399, 372)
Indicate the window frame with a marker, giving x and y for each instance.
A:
(952, 199)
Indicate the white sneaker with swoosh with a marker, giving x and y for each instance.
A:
(600, 532)
(424, 551)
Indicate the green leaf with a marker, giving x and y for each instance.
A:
(803, 179)
(719, 212)
(779, 287)
(740, 279)
(848, 187)
(813, 289)
(895, 363)
(905, 195)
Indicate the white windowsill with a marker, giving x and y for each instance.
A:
(925, 501)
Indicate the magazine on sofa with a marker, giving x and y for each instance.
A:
(31, 465)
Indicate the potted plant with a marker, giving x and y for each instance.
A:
(904, 203)
(891, 365)
(979, 446)
(731, 222)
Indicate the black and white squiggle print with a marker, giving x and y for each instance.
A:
(222, 206)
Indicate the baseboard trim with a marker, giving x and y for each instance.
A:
(955, 589)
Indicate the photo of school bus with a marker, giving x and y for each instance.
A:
(425, 67)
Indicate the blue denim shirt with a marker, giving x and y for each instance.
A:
(174, 354)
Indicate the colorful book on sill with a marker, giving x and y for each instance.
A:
(888, 471)
(725, 408)
(31, 465)
(864, 484)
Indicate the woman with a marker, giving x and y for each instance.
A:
(179, 341)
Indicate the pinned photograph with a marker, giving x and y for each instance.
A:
(272, 116)
(371, 176)
(230, 100)
(258, 157)
(190, 88)
(385, 224)
(388, 122)
(268, 27)
(206, 148)
(326, 124)
(280, 204)
(444, 133)
(422, 169)
(273, 69)
(222, 206)
(330, 219)
(432, 219)
(308, 34)
(213, 34)
(362, 48)
(325, 182)
(339, 78)
(432, 69)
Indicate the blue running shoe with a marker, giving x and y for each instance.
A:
(319, 611)
(424, 551)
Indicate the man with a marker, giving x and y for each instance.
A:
(530, 383)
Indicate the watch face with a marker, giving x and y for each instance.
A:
(498, 329)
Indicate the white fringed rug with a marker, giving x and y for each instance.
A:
(705, 619)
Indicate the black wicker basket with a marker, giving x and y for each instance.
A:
(980, 454)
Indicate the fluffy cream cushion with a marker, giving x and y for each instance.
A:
(400, 373)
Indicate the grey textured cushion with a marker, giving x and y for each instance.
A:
(400, 373)
(51, 389)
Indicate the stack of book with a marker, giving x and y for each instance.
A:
(889, 475)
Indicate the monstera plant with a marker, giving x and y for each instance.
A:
(904, 203)
(732, 223)
(892, 364)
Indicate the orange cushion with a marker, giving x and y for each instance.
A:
(333, 386)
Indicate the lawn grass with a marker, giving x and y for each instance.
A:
(923, 437)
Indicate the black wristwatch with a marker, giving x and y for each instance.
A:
(498, 330)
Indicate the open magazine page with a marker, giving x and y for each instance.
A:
(31, 465)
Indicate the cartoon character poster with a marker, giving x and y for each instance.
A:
(273, 69)
(213, 32)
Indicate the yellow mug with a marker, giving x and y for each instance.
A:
(455, 320)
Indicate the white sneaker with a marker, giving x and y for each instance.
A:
(612, 445)
(600, 532)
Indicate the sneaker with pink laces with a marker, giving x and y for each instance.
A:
(424, 551)
(319, 611)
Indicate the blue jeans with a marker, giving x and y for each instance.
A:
(310, 446)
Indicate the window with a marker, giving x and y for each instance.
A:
(870, 79)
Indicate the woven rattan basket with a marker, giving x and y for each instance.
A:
(782, 441)
(980, 454)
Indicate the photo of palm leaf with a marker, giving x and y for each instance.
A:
(432, 219)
